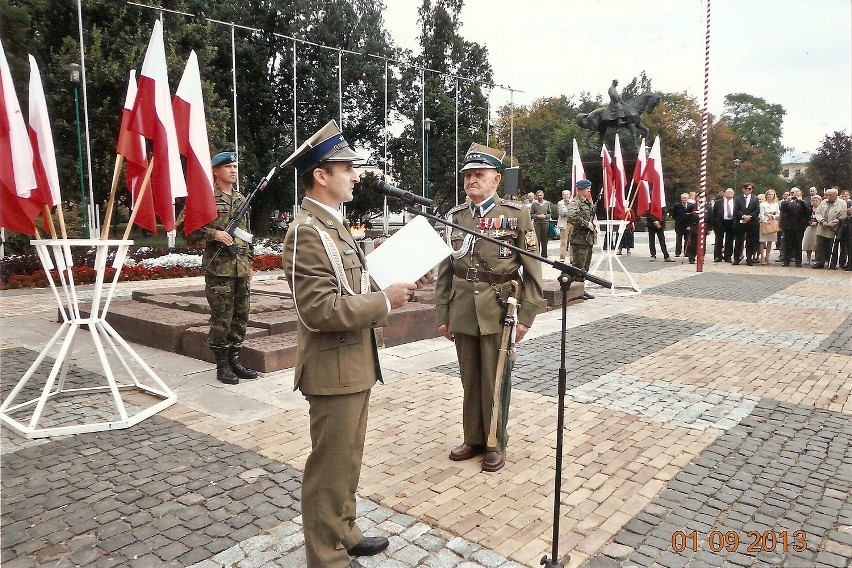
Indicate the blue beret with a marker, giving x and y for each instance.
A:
(583, 184)
(224, 158)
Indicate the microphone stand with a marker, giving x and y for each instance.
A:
(568, 274)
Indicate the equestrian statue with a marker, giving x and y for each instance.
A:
(619, 114)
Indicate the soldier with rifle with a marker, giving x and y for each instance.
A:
(227, 265)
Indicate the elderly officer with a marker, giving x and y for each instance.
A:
(471, 287)
(227, 277)
(337, 361)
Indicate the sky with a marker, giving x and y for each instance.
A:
(796, 53)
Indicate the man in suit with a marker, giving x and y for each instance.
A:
(795, 214)
(337, 360)
(747, 225)
(471, 289)
(723, 227)
(682, 215)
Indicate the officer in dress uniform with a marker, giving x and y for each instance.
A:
(337, 361)
(227, 280)
(471, 288)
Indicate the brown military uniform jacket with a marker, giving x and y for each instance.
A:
(464, 298)
(337, 351)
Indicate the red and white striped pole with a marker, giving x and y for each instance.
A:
(699, 266)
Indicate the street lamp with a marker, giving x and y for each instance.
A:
(427, 128)
(74, 74)
(737, 163)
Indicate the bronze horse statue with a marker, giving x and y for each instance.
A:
(599, 120)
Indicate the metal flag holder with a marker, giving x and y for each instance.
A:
(56, 254)
(568, 274)
(608, 255)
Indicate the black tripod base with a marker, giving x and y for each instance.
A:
(548, 564)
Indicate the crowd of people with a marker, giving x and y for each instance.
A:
(811, 231)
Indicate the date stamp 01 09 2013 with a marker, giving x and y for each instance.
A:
(717, 541)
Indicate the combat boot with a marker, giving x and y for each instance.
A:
(224, 374)
(237, 366)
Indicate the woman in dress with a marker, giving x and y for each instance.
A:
(627, 241)
(770, 212)
(809, 242)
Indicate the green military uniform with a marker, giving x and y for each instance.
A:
(466, 290)
(337, 361)
(582, 238)
(227, 282)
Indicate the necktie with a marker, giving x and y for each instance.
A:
(727, 209)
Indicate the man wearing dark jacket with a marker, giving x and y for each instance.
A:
(746, 225)
(795, 214)
(723, 226)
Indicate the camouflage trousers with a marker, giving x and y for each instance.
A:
(581, 255)
(228, 297)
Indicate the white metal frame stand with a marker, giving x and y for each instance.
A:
(57, 253)
(609, 255)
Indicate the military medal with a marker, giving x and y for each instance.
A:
(513, 223)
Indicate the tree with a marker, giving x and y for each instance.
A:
(758, 124)
(445, 56)
(831, 164)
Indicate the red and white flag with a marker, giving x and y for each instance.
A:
(132, 146)
(606, 175)
(619, 181)
(41, 140)
(577, 171)
(152, 117)
(17, 177)
(191, 125)
(654, 175)
(643, 195)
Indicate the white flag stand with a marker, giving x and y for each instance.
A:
(57, 253)
(606, 226)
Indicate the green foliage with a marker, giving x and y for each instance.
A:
(758, 126)
(832, 163)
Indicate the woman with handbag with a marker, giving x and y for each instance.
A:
(770, 213)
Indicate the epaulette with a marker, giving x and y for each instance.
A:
(508, 202)
(457, 208)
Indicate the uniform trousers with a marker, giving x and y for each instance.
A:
(332, 471)
(478, 356)
(542, 233)
(581, 255)
(229, 301)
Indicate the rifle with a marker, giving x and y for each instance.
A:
(233, 226)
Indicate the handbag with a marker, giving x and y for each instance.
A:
(553, 232)
(769, 226)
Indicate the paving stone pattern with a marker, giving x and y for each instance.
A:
(588, 357)
(750, 336)
(157, 495)
(783, 468)
(726, 286)
(840, 340)
(809, 302)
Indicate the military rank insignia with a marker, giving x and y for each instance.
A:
(531, 241)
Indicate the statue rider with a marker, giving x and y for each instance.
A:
(615, 110)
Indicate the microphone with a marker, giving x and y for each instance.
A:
(409, 198)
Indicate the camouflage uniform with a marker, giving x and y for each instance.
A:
(582, 238)
(227, 282)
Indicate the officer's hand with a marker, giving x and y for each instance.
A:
(591, 226)
(398, 294)
(520, 331)
(224, 237)
(444, 330)
(424, 280)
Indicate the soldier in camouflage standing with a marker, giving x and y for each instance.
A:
(581, 216)
(228, 276)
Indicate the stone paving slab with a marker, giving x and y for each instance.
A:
(720, 284)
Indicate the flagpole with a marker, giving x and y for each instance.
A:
(138, 201)
(47, 220)
(119, 160)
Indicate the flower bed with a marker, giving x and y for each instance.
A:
(144, 263)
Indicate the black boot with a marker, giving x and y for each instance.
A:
(224, 374)
(237, 366)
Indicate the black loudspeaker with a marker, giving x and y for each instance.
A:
(512, 180)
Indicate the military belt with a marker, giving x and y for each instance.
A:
(474, 275)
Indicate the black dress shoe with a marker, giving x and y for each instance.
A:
(466, 452)
(735, 262)
(750, 262)
(717, 260)
(369, 546)
(493, 461)
(587, 296)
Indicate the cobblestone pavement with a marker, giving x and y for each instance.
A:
(709, 407)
